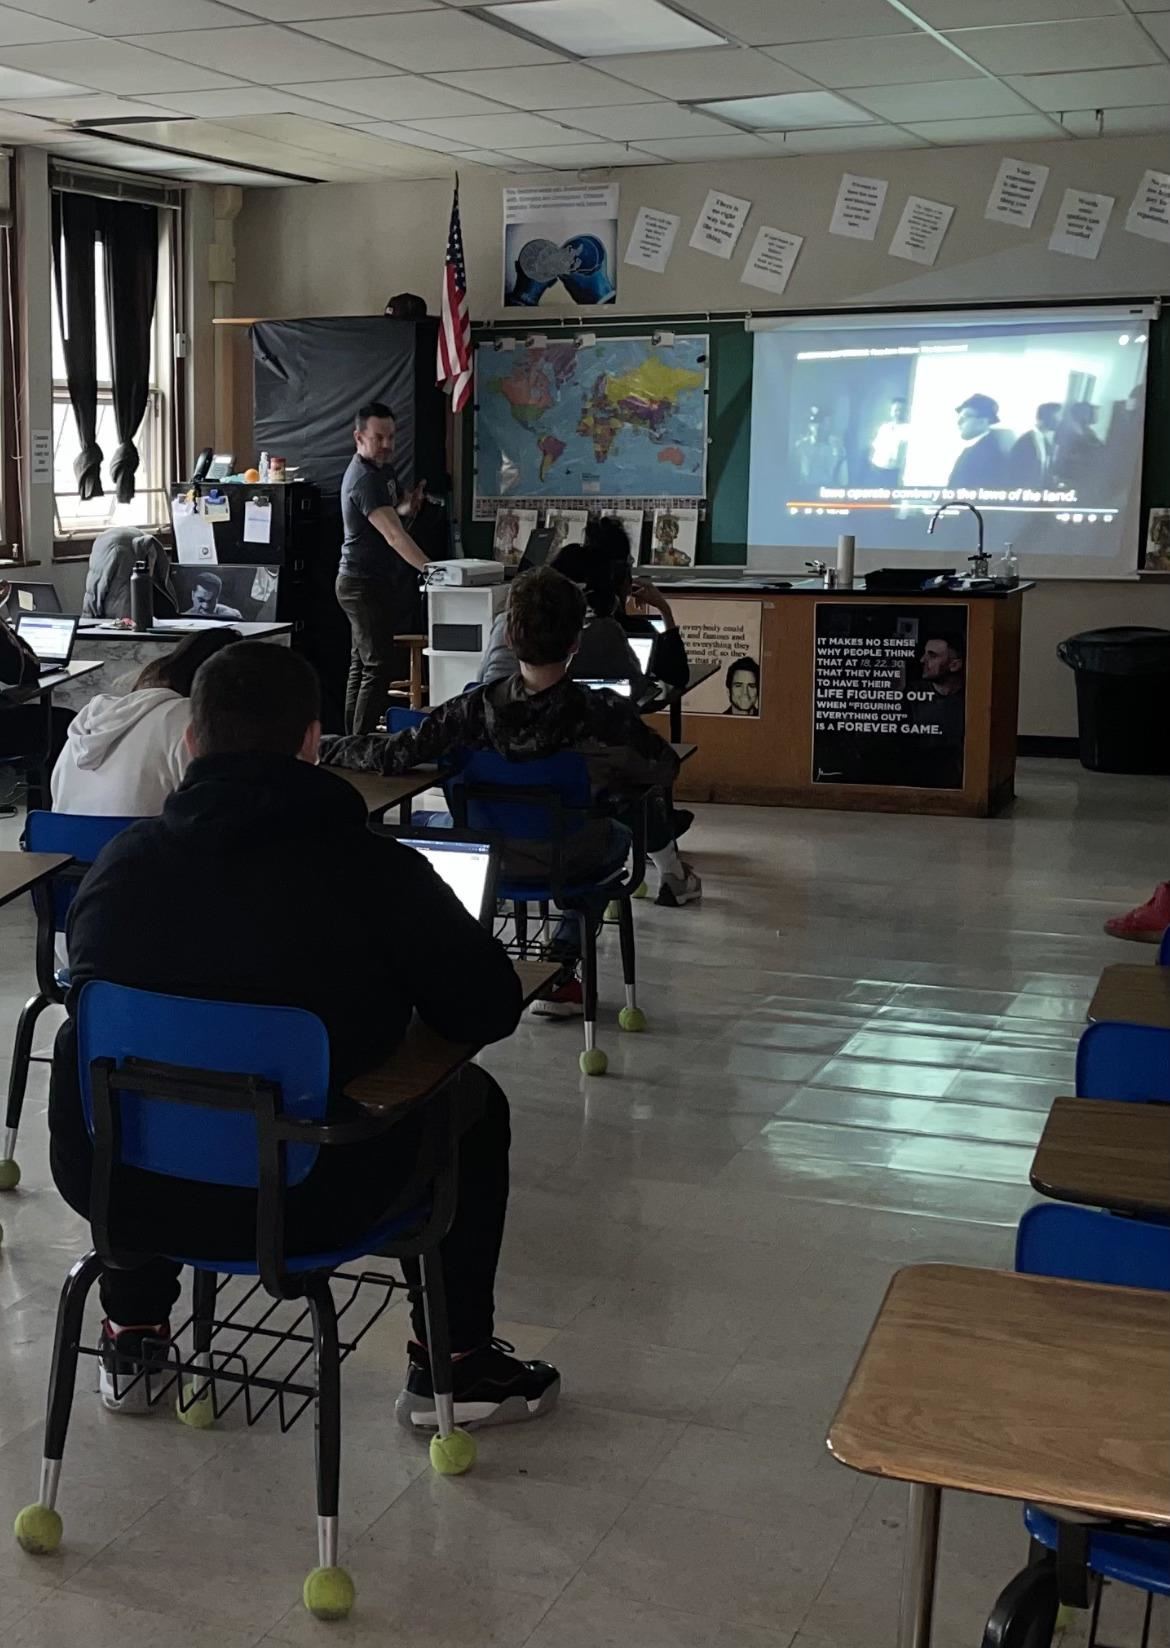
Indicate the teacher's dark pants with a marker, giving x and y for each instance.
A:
(378, 609)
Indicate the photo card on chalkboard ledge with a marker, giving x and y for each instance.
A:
(673, 538)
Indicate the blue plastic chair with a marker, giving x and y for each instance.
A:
(1080, 1244)
(1123, 1061)
(83, 837)
(548, 802)
(398, 719)
(235, 1095)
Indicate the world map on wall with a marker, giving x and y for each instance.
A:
(620, 418)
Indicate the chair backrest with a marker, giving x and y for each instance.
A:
(399, 719)
(1164, 950)
(1123, 1061)
(1084, 1245)
(82, 835)
(564, 777)
(189, 1140)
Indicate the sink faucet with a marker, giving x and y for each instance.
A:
(979, 557)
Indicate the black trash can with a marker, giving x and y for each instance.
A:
(1123, 697)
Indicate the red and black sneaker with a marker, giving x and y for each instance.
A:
(491, 1386)
(124, 1384)
(567, 1001)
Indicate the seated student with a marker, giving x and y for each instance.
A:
(668, 660)
(23, 726)
(282, 894)
(537, 713)
(125, 754)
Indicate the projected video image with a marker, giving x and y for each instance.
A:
(868, 430)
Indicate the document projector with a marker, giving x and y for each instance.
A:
(451, 573)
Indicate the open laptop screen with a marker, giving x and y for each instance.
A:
(642, 646)
(49, 634)
(464, 865)
(622, 688)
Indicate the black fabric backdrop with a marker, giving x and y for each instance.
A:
(312, 375)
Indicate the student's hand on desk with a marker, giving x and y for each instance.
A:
(647, 594)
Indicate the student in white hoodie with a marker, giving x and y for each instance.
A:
(124, 755)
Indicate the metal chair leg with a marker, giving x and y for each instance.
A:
(631, 1016)
(520, 917)
(452, 1450)
(593, 1061)
(17, 1084)
(38, 1526)
(328, 1590)
(195, 1404)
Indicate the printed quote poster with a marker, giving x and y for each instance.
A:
(560, 245)
(726, 634)
(890, 695)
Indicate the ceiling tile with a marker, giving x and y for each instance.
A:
(840, 139)
(943, 100)
(111, 66)
(736, 146)
(502, 131)
(1106, 89)
(705, 74)
(885, 62)
(90, 106)
(1159, 26)
(17, 127)
(398, 97)
(132, 17)
(1151, 117)
(791, 109)
(275, 56)
(22, 28)
(498, 162)
(302, 11)
(244, 100)
(555, 86)
(1047, 48)
(956, 14)
(425, 40)
(419, 140)
(588, 28)
(768, 23)
(572, 157)
(1002, 128)
(18, 87)
(638, 120)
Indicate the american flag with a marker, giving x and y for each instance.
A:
(453, 366)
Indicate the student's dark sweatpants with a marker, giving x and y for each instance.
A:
(347, 1192)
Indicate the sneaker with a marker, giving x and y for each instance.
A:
(122, 1385)
(491, 1387)
(567, 1001)
(684, 889)
(1148, 922)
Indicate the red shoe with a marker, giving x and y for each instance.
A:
(1148, 922)
(565, 1002)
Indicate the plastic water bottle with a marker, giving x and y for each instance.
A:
(141, 597)
(1009, 566)
(263, 466)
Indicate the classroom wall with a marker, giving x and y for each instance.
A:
(345, 248)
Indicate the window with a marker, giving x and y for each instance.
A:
(83, 518)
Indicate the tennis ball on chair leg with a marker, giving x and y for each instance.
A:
(593, 1062)
(328, 1593)
(38, 1530)
(454, 1454)
(9, 1175)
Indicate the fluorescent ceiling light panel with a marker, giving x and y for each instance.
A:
(791, 109)
(597, 28)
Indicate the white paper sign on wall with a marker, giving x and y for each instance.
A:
(1150, 213)
(1081, 223)
(921, 229)
(651, 240)
(1016, 192)
(772, 259)
(859, 206)
(720, 224)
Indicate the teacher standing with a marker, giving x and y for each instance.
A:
(377, 584)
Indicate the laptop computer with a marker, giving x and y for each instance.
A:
(469, 867)
(30, 596)
(642, 647)
(50, 635)
(537, 549)
(622, 688)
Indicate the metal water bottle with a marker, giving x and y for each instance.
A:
(141, 597)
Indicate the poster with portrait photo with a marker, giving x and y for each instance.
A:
(890, 695)
(726, 634)
(233, 594)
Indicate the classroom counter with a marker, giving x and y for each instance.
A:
(848, 699)
(124, 652)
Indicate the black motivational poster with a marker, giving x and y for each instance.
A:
(890, 695)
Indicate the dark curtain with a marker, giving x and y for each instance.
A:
(75, 228)
(130, 237)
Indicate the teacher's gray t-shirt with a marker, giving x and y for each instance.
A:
(366, 487)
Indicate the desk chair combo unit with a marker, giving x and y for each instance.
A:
(1124, 1061)
(82, 838)
(234, 1096)
(1070, 1554)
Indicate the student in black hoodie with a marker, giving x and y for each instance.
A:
(297, 903)
(23, 726)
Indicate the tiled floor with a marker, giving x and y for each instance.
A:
(852, 1047)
